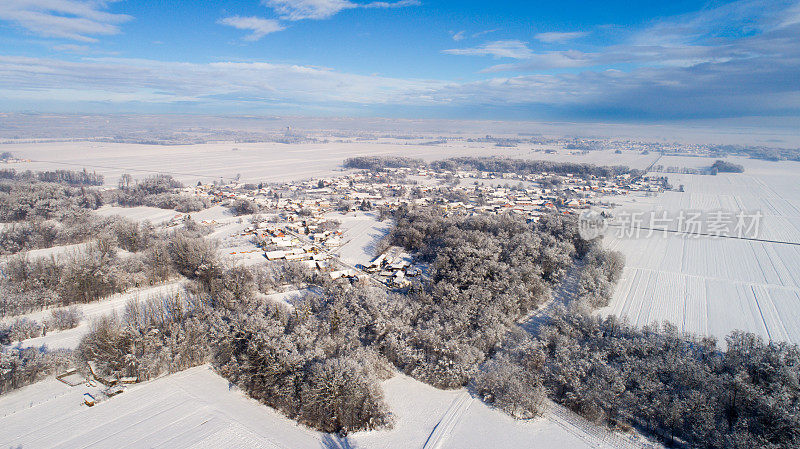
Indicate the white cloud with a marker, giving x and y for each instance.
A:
(481, 33)
(740, 30)
(556, 37)
(259, 27)
(323, 9)
(73, 48)
(499, 49)
(549, 60)
(220, 83)
(791, 17)
(766, 87)
(70, 19)
(459, 36)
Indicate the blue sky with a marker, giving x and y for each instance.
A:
(567, 60)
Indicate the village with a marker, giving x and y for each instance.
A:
(303, 221)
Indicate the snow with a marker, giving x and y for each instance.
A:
(198, 408)
(216, 213)
(193, 408)
(290, 297)
(713, 286)
(255, 162)
(361, 232)
(139, 213)
(52, 251)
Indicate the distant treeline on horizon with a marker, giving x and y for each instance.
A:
(488, 164)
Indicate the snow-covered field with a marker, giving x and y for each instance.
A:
(361, 232)
(715, 285)
(140, 213)
(197, 408)
(256, 162)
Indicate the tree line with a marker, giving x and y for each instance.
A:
(42, 213)
(155, 191)
(524, 166)
(73, 178)
(490, 164)
(380, 163)
(679, 388)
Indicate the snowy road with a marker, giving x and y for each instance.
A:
(563, 294)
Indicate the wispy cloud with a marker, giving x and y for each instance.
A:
(791, 16)
(70, 19)
(762, 87)
(557, 37)
(484, 32)
(259, 27)
(738, 30)
(72, 48)
(549, 60)
(458, 36)
(323, 9)
(499, 49)
(219, 83)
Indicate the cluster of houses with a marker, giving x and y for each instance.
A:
(487, 192)
(286, 198)
(284, 243)
(302, 227)
(474, 191)
(393, 266)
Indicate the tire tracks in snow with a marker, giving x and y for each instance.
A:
(444, 428)
(592, 434)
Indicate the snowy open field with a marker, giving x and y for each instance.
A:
(262, 161)
(361, 232)
(140, 213)
(715, 285)
(54, 251)
(197, 408)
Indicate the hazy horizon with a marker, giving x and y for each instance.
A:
(81, 125)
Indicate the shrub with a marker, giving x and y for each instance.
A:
(20, 367)
(23, 329)
(62, 319)
(506, 384)
(338, 396)
(242, 206)
(195, 258)
(720, 166)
